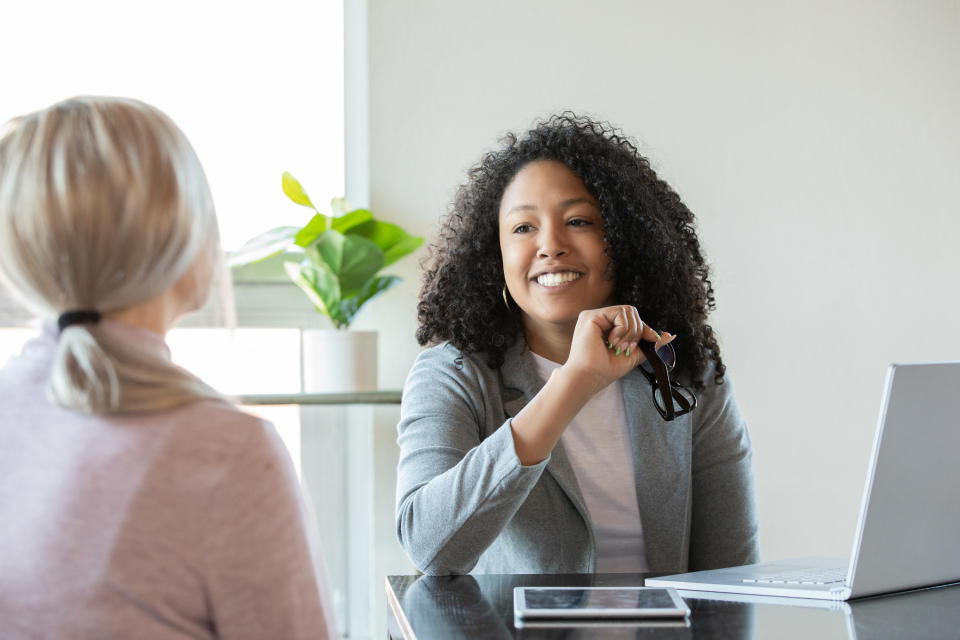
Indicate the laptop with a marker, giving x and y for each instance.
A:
(907, 535)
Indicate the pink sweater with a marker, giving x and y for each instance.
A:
(186, 523)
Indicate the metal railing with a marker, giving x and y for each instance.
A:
(308, 399)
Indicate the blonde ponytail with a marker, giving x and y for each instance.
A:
(83, 376)
(104, 205)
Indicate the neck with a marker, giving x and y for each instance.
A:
(157, 314)
(552, 343)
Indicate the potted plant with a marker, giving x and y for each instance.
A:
(336, 261)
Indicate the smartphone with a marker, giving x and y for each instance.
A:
(598, 602)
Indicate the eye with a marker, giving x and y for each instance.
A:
(523, 228)
(579, 222)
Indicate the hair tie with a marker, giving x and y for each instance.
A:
(80, 316)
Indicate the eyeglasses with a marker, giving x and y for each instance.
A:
(670, 398)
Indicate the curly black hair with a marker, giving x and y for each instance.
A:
(657, 263)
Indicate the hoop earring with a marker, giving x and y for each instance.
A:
(506, 301)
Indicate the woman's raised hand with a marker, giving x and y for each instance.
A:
(604, 346)
(603, 349)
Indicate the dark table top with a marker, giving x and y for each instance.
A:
(481, 607)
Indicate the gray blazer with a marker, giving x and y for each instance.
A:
(466, 504)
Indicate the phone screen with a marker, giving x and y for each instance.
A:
(538, 599)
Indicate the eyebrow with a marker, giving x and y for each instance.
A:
(563, 205)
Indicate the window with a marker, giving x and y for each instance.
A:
(258, 89)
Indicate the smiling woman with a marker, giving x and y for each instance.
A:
(530, 441)
(554, 259)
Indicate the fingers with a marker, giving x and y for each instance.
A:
(649, 334)
(626, 329)
(665, 338)
(622, 329)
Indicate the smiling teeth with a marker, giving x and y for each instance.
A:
(556, 279)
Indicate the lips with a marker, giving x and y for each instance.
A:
(557, 278)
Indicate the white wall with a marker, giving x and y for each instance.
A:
(817, 142)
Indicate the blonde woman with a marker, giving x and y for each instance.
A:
(135, 500)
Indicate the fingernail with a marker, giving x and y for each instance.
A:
(628, 351)
(618, 351)
(609, 345)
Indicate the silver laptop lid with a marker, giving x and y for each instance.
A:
(910, 515)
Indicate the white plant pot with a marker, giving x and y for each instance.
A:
(339, 361)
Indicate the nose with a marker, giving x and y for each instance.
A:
(552, 242)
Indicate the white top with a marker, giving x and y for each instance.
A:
(186, 523)
(597, 442)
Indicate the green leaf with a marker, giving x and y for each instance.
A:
(353, 259)
(373, 287)
(404, 247)
(392, 240)
(317, 225)
(265, 245)
(349, 220)
(294, 191)
(300, 279)
(321, 287)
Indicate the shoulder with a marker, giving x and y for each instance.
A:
(707, 382)
(445, 380)
(223, 420)
(711, 385)
(716, 403)
(216, 434)
(446, 353)
(446, 364)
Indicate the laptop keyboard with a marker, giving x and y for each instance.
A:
(802, 576)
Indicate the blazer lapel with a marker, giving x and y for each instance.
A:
(521, 383)
(661, 459)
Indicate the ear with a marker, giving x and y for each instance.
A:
(192, 289)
